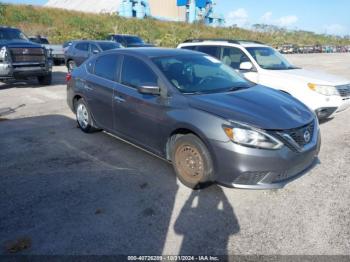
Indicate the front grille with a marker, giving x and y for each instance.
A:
(25, 55)
(297, 136)
(344, 90)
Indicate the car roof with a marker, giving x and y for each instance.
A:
(152, 52)
(226, 42)
(91, 41)
(7, 27)
(123, 35)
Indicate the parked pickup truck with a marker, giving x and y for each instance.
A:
(23, 59)
(57, 51)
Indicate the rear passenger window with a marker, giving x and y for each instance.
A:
(210, 50)
(233, 57)
(82, 46)
(136, 73)
(191, 47)
(106, 66)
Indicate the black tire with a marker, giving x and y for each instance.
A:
(57, 62)
(192, 161)
(45, 80)
(85, 125)
(71, 65)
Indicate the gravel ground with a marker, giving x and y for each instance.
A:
(66, 192)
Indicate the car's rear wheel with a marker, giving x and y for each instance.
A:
(83, 116)
(45, 80)
(192, 161)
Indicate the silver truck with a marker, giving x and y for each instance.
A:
(22, 59)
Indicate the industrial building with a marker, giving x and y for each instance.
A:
(174, 10)
(170, 10)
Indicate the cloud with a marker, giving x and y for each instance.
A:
(287, 20)
(237, 17)
(266, 18)
(336, 29)
(282, 21)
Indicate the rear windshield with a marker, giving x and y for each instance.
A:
(133, 40)
(43, 41)
(108, 46)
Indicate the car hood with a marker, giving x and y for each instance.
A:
(19, 43)
(309, 76)
(257, 106)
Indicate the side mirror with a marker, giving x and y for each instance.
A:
(149, 90)
(246, 66)
(95, 51)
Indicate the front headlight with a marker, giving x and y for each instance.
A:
(3, 54)
(323, 89)
(251, 137)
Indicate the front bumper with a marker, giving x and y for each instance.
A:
(249, 168)
(344, 105)
(24, 70)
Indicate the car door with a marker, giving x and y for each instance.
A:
(100, 85)
(139, 117)
(81, 53)
(233, 57)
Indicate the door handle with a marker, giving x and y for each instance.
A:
(118, 99)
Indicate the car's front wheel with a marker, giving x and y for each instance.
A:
(83, 116)
(192, 161)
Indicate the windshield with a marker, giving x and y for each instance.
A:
(11, 34)
(108, 46)
(133, 40)
(269, 58)
(196, 74)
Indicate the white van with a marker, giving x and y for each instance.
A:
(323, 93)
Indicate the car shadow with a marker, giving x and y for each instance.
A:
(91, 194)
(58, 78)
(206, 222)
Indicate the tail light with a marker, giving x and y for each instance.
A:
(68, 77)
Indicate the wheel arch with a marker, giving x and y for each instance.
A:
(185, 130)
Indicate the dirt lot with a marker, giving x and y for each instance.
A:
(66, 192)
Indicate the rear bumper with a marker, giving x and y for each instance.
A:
(250, 168)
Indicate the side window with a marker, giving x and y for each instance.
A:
(119, 39)
(106, 66)
(190, 47)
(233, 57)
(94, 49)
(210, 50)
(82, 46)
(136, 73)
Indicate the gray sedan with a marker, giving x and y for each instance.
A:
(79, 51)
(198, 114)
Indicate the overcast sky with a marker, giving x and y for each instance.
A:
(321, 16)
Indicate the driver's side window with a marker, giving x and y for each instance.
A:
(233, 57)
(135, 73)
